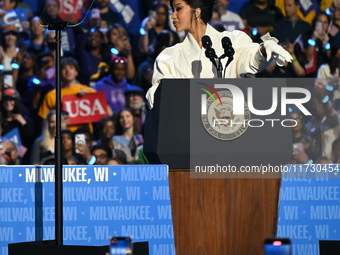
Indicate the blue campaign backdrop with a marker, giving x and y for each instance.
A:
(99, 202)
(102, 201)
(310, 207)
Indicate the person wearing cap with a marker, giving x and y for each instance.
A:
(135, 100)
(13, 117)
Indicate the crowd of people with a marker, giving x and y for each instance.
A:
(101, 54)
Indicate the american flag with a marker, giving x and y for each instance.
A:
(299, 41)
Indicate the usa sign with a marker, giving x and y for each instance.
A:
(72, 8)
(86, 109)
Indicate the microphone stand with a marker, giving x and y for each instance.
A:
(219, 67)
(231, 58)
(211, 54)
(58, 168)
(215, 61)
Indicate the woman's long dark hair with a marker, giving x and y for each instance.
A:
(120, 130)
(161, 5)
(17, 108)
(121, 30)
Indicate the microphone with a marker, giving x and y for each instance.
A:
(206, 42)
(228, 51)
(227, 46)
(209, 51)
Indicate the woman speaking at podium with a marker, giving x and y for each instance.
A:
(194, 59)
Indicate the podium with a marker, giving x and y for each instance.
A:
(219, 213)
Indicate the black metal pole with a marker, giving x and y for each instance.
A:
(58, 169)
(58, 163)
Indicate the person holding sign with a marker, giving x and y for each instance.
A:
(69, 72)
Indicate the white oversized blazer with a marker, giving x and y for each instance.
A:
(188, 60)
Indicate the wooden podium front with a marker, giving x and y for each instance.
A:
(222, 216)
(226, 215)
